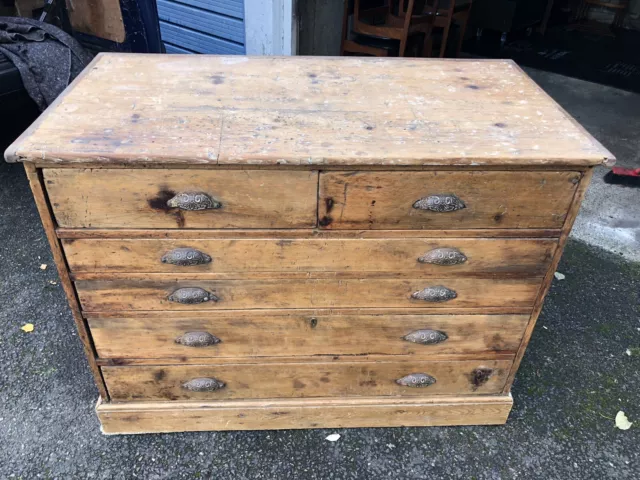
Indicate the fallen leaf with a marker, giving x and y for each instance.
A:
(559, 276)
(334, 437)
(628, 352)
(43, 266)
(622, 422)
(27, 327)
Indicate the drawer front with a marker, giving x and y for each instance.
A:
(121, 198)
(120, 295)
(419, 256)
(258, 335)
(445, 199)
(287, 380)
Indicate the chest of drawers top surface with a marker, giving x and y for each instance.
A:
(137, 109)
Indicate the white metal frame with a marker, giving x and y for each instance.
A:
(270, 27)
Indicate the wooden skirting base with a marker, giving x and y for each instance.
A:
(158, 417)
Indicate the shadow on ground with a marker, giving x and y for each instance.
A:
(574, 378)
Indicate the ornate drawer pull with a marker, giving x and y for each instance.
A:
(443, 256)
(197, 339)
(437, 293)
(418, 380)
(193, 201)
(190, 295)
(203, 385)
(440, 203)
(426, 337)
(185, 257)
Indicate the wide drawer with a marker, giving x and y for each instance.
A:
(445, 199)
(200, 335)
(119, 295)
(150, 198)
(223, 255)
(286, 380)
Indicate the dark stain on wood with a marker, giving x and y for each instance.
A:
(325, 221)
(500, 125)
(328, 204)
(324, 379)
(135, 118)
(217, 79)
(480, 376)
(159, 375)
(298, 384)
(473, 87)
(159, 202)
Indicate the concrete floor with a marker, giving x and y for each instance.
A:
(574, 377)
(610, 214)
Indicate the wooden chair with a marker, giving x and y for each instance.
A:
(620, 8)
(448, 12)
(372, 37)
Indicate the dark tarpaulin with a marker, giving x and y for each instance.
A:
(47, 58)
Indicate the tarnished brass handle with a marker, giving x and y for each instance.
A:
(193, 201)
(437, 293)
(443, 256)
(190, 295)
(426, 337)
(442, 202)
(197, 339)
(418, 380)
(185, 257)
(203, 385)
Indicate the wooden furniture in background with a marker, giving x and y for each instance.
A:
(371, 28)
(235, 263)
(620, 8)
(102, 18)
(450, 11)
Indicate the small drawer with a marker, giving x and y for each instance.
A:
(289, 380)
(227, 335)
(445, 199)
(421, 256)
(187, 198)
(120, 295)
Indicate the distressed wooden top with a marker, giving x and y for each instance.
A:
(178, 109)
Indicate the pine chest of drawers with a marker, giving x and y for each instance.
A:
(261, 243)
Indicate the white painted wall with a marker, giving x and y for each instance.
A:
(270, 27)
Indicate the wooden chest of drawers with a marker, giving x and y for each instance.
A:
(259, 243)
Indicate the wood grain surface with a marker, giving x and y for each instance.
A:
(296, 380)
(96, 198)
(384, 200)
(158, 417)
(119, 295)
(248, 256)
(138, 109)
(264, 335)
(35, 182)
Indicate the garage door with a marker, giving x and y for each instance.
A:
(202, 26)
